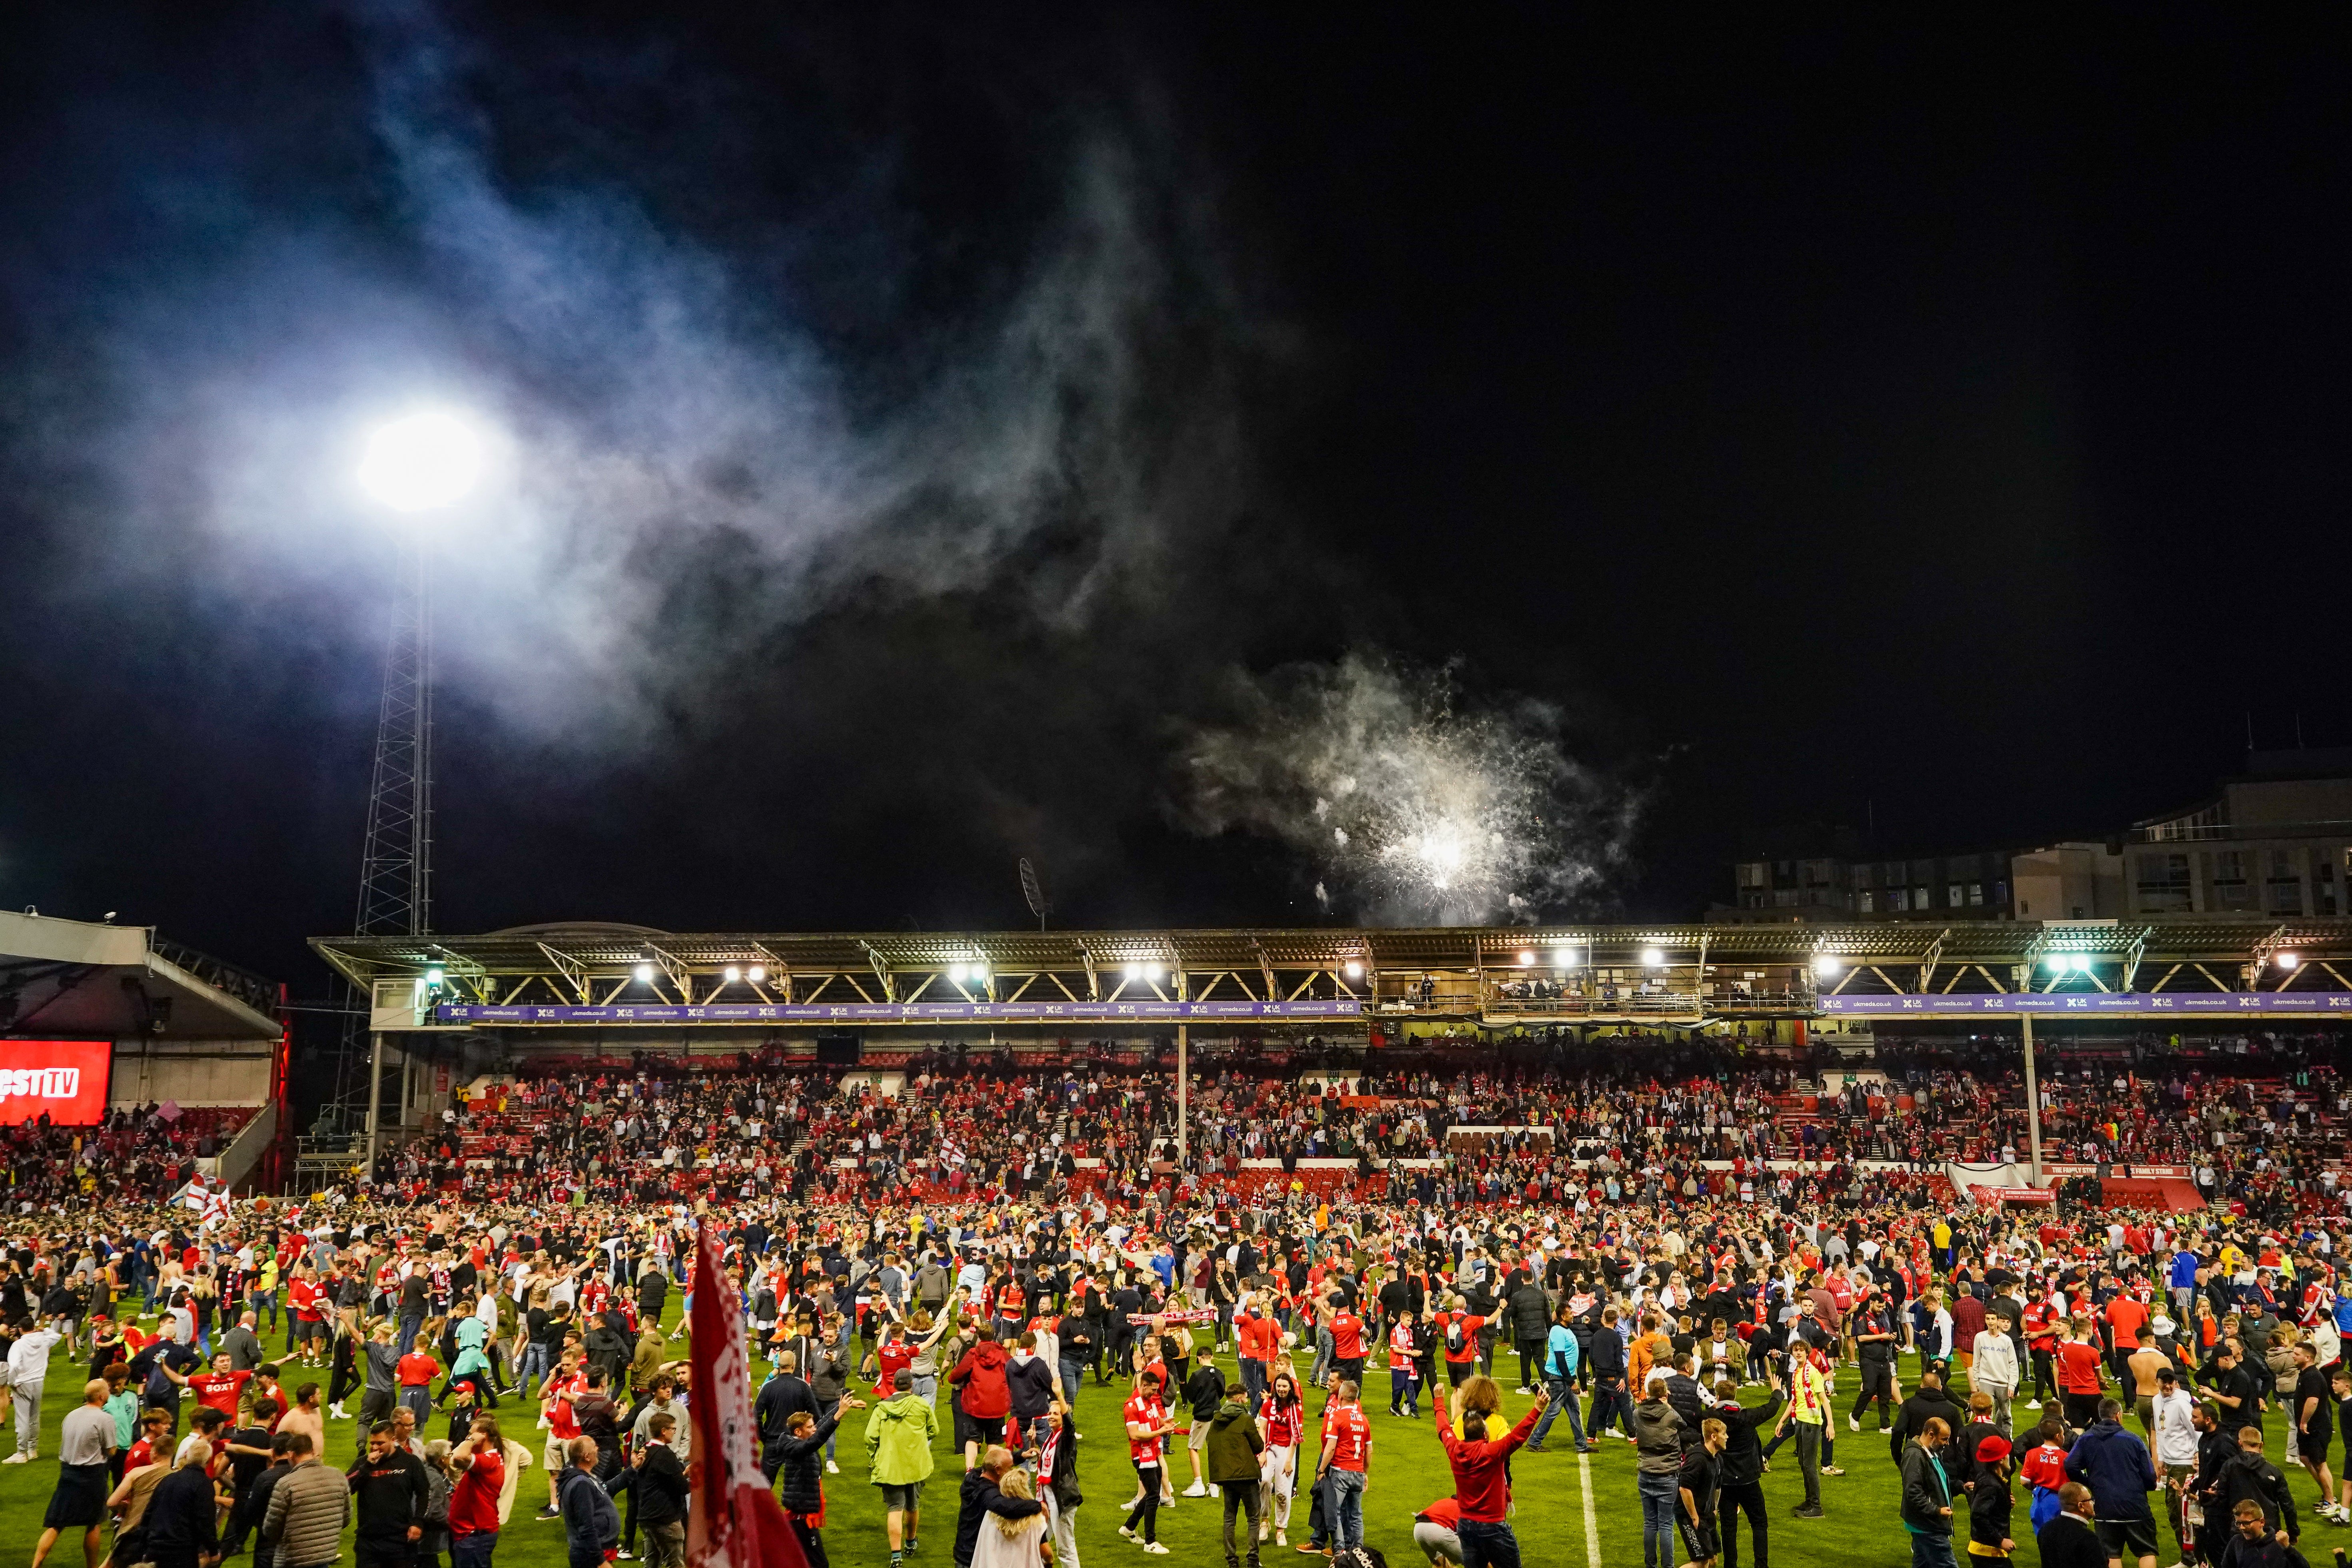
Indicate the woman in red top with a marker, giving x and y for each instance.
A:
(1281, 1419)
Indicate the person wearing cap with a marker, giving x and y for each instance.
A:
(1991, 1502)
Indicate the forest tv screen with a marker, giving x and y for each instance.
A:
(67, 1079)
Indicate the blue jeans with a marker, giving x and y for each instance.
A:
(1563, 1402)
(1252, 1380)
(411, 1325)
(1074, 1378)
(473, 1550)
(534, 1364)
(1345, 1503)
(1492, 1545)
(1931, 1552)
(1660, 1497)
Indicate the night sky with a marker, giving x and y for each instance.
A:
(932, 437)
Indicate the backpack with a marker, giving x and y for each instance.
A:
(1453, 1335)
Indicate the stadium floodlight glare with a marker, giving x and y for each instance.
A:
(1826, 964)
(733, 974)
(955, 974)
(1151, 972)
(1135, 972)
(434, 978)
(422, 462)
(1353, 969)
(2285, 960)
(1654, 958)
(2056, 963)
(644, 973)
(1527, 960)
(756, 973)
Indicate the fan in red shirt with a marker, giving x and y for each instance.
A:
(1347, 1341)
(1147, 1425)
(218, 1388)
(1347, 1455)
(2078, 1374)
(1482, 1481)
(481, 1466)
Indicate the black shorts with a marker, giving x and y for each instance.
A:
(1352, 1368)
(2311, 1447)
(79, 1499)
(1458, 1373)
(2128, 1537)
(2081, 1409)
(986, 1428)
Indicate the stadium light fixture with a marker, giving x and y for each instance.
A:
(1527, 960)
(435, 979)
(1151, 972)
(756, 973)
(1654, 958)
(1353, 969)
(2056, 963)
(2286, 960)
(733, 974)
(1135, 972)
(1826, 964)
(955, 974)
(422, 462)
(643, 974)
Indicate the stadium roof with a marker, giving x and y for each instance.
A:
(60, 978)
(579, 973)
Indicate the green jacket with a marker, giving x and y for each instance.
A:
(898, 1440)
(1233, 1443)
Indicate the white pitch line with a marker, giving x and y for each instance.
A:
(1592, 1520)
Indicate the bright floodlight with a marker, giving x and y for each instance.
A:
(644, 974)
(2286, 960)
(1527, 961)
(756, 973)
(2057, 963)
(733, 974)
(1135, 972)
(1654, 958)
(1151, 973)
(422, 462)
(1826, 964)
(435, 977)
(1354, 969)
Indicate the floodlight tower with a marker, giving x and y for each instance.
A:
(420, 464)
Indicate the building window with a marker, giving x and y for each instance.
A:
(1754, 874)
(1955, 895)
(1919, 899)
(2163, 883)
(1863, 901)
(1976, 894)
(2283, 888)
(1897, 899)
(2226, 880)
(2323, 885)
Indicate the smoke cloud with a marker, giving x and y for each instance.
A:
(680, 465)
(1411, 804)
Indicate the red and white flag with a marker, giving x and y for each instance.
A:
(735, 1520)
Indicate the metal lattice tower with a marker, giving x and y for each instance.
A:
(396, 894)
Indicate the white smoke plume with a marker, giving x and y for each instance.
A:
(678, 465)
(1409, 806)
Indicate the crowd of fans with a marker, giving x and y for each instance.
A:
(1689, 1244)
(138, 1151)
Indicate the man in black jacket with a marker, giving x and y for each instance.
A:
(783, 1395)
(1743, 1467)
(389, 1491)
(1609, 1370)
(981, 1497)
(1530, 1311)
(2245, 1477)
(801, 1454)
(1929, 1402)
(657, 1479)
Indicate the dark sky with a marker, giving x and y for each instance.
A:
(927, 425)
